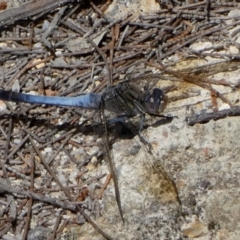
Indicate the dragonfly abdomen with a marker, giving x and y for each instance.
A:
(90, 101)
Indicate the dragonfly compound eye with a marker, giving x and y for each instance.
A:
(153, 101)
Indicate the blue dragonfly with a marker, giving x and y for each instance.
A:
(128, 99)
(125, 98)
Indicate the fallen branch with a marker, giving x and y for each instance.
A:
(206, 117)
(53, 201)
(29, 9)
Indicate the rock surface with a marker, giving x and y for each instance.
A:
(203, 162)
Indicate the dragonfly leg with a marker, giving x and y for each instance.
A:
(141, 137)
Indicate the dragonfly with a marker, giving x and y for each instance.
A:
(125, 98)
(122, 98)
(158, 93)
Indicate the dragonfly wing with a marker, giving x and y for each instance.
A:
(110, 162)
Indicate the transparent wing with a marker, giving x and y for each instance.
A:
(189, 83)
(189, 90)
(161, 183)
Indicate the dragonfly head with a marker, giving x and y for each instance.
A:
(155, 102)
